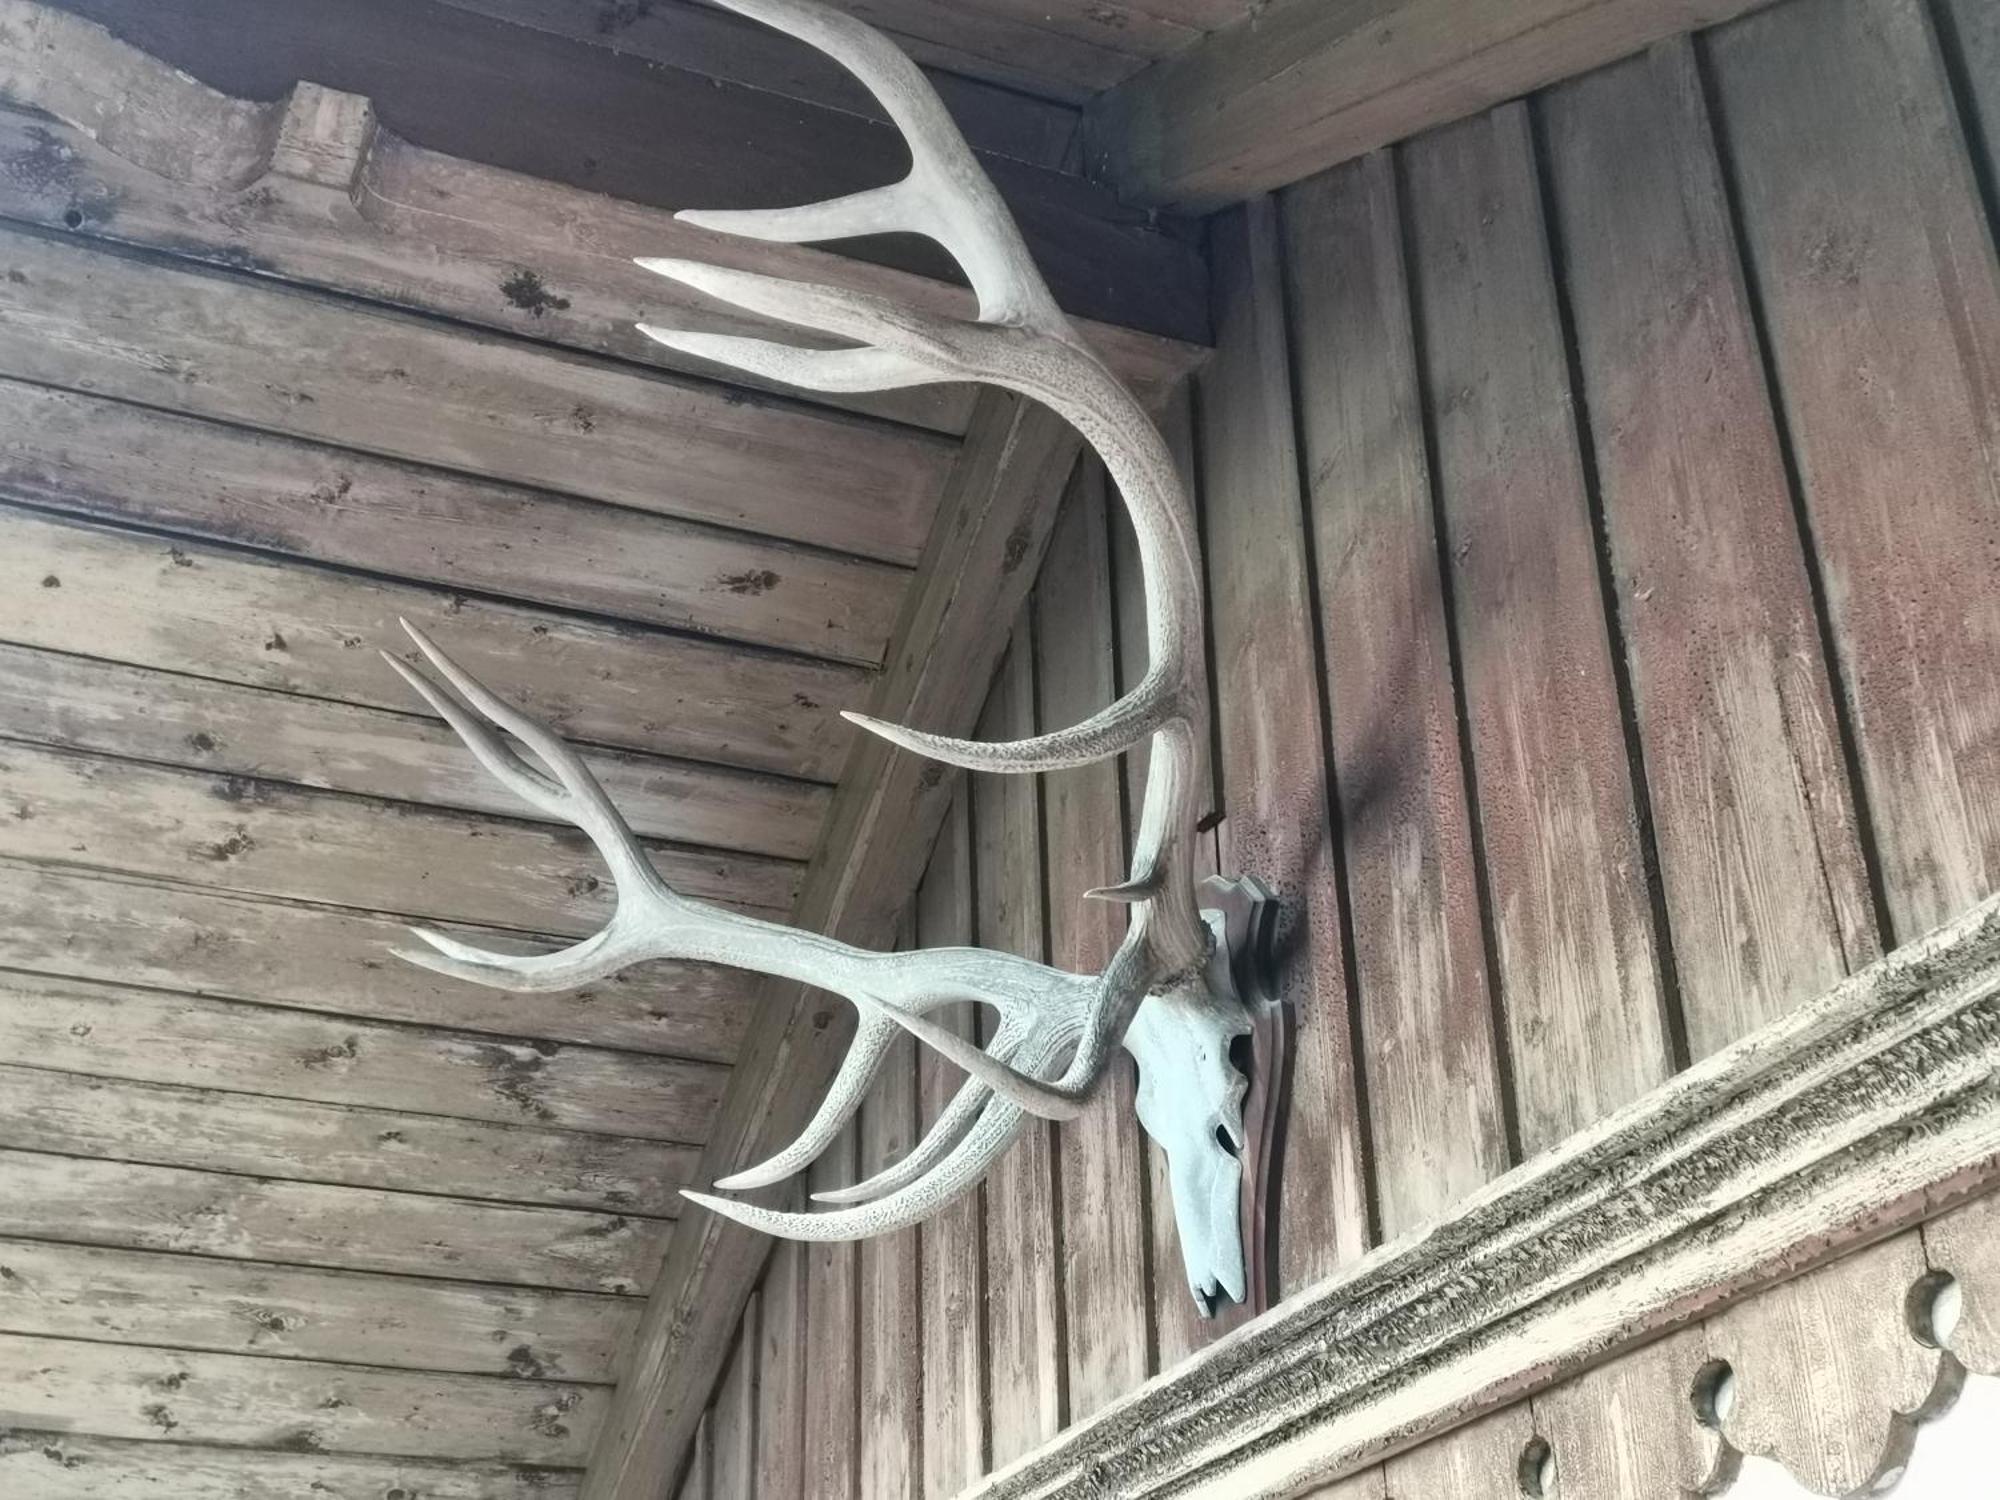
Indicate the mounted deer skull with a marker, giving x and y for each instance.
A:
(1166, 994)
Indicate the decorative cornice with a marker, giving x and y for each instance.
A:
(1871, 1108)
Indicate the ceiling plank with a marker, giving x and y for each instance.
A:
(69, 1466)
(331, 960)
(487, 91)
(246, 350)
(62, 450)
(80, 703)
(983, 554)
(218, 612)
(1303, 85)
(311, 1224)
(181, 1396)
(43, 1108)
(186, 1040)
(287, 1312)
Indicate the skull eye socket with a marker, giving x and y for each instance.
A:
(1222, 1139)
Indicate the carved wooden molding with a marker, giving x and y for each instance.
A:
(1872, 1108)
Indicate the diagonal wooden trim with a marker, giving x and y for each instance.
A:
(983, 554)
(1303, 85)
(1856, 1115)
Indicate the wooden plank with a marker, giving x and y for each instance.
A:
(115, 462)
(1970, 33)
(1574, 943)
(1102, 1167)
(1881, 295)
(214, 612)
(996, 121)
(1023, 1322)
(79, 703)
(890, 1376)
(696, 1483)
(1268, 729)
(1963, 1245)
(783, 1359)
(124, 1391)
(487, 92)
(1436, 1116)
(64, 1466)
(286, 1312)
(951, 1280)
(116, 1031)
(334, 961)
(1629, 1428)
(832, 1416)
(982, 557)
(245, 1218)
(1299, 86)
(733, 1419)
(1828, 1377)
(210, 344)
(216, 1130)
(1482, 1461)
(1760, 855)
(1850, 1118)
(267, 838)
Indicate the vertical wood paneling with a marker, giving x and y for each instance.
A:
(1628, 1429)
(953, 1275)
(1268, 730)
(1760, 854)
(695, 1483)
(733, 1421)
(1480, 1461)
(1103, 1251)
(832, 1392)
(1022, 1329)
(1872, 256)
(781, 1375)
(891, 1371)
(1559, 830)
(1427, 1022)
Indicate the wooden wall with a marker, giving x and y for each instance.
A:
(1602, 508)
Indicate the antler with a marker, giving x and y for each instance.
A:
(1021, 341)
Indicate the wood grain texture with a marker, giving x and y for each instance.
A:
(979, 563)
(1102, 1163)
(1435, 1110)
(124, 1391)
(1829, 1381)
(116, 1031)
(1848, 1119)
(1298, 86)
(1629, 1428)
(290, 1312)
(119, 1205)
(218, 612)
(491, 93)
(1877, 274)
(1760, 854)
(250, 352)
(266, 838)
(1481, 1461)
(65, 1466)
(121, 463)
(133, 713)
(330, 961)
(786, 1359)
(1268, 729)
(732, 1421)
(1578, 975)
(1023, 1331)
(952, 1277)
(1963, 1244)
(889, 1380)
(832, 1404)
(296, 1140)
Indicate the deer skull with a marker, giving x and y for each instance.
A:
(1165, 995)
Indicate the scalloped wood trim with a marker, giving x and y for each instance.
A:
(1865, 1111)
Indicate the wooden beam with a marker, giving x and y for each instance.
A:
(1304, 85)
(983, 555)
(1860, 1113)
(580, 117)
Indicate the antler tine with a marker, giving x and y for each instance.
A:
(597, 956)
(865, 1056)
(836, 370)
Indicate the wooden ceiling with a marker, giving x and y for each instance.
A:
(275, 1209)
